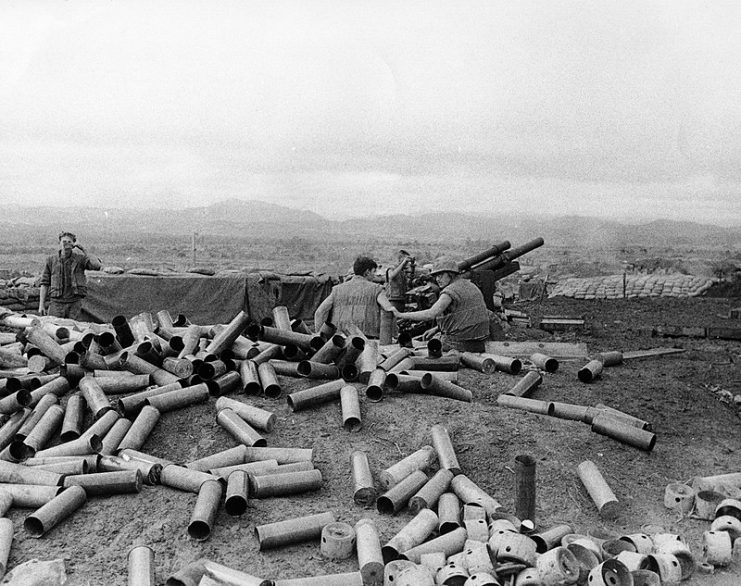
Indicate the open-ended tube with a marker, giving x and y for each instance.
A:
(84, 445)
(252, 468)
(444, 363)
(368, 547)
(292, 530)
(140, 429)
(532, 405)
(140, 565)
(204, 512)
(419, 460)
(269, 380)
(281, 455)
(179, 398)
(330, 351)
(56, 510)
(350, 404)
(544, 362)
(255, 416)
(376, 384)
(250, 377)
(525, 487)
(285, 484)
(591, 371)
(449, 543)
(478, 362)
(74, 417)
(184, 478)
(311, 369)
(366, 362)
(525, 386)
(448, 512)
(324, 393)
(237, 493)
(150, 471)
(505, 363)
(112, 439)
(602, 496)
(396, 498)
(434, 385)
(616, 429)
(364, 491)
(228, 457)
(40, 435)
(427, 496)
(470, 492)
(131, 404)
(105, 483)
(444, 448)
(412, 534)
(239, 429)
(225, 338)
(124, 383)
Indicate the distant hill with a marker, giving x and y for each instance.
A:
(257, 219)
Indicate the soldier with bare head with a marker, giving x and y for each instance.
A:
(63, 279)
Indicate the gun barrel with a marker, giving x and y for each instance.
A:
(495, 250)
(510, 255)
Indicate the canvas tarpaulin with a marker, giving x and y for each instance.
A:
(204, 300)
(300, 294)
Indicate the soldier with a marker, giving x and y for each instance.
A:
(460, 311)
(64, 279)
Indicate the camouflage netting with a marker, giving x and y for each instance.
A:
(613, 287)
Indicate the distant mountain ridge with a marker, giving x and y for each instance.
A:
(258, 219)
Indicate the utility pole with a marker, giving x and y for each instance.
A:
(194, 247)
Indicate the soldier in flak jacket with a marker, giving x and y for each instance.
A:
(63, 279)
(357, 301)
(460, 311)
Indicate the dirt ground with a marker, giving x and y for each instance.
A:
(698, 434)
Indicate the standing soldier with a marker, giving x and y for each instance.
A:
(64, 279)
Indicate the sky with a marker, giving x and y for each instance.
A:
(626, 109)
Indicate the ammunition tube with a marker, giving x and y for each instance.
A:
(411, 535)
(525, 487)
(179, 398)
(35, 416)
(140, 429)
(294, 530)
(74, 416)
(44, 342)
(351, 419)
(239, 429)
(30, 496)
(12, 473)
(525, 386)
(204, 512)
(231, 332)
(330, 351)
(364, 491)
(184, 479)
(281, 455)
(112, 439)
(225, 383)
(368, 548)
(56, 510)
(95, 397)
(285, 484)
(134, 364)
(255, 416)
(18, 400)
(285, 368)
(105, 483)
(330, 391)
(376, 384)
(140, 565)
(124, 335)
(102, 426)
(250, 377)
(419, 460)
(599, 491)
(550, 538)
(398, 496)
(237, 493)
(70, 467)
(434, 385)
(12, 425)
(444, 363)
(427, 496)
(616, 429)
(532, 405)
(346, 579)
(571, 412)
(260, 468)
(449, 512)
(444, 449)
(57, 387)
(448, 543)
(133, 403)
(366, 362)
(544, 362)
(612, 358)
(127, 383)
(269, 380)
(6, 539)
(84, 445)
(229, 457)
(478, 362)
(469, 492)
(40, 435)
(404, 383)
(150, 471)
(434, 348)
(394, 358)
(590, 371)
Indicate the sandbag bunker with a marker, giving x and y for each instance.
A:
(126, 375)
